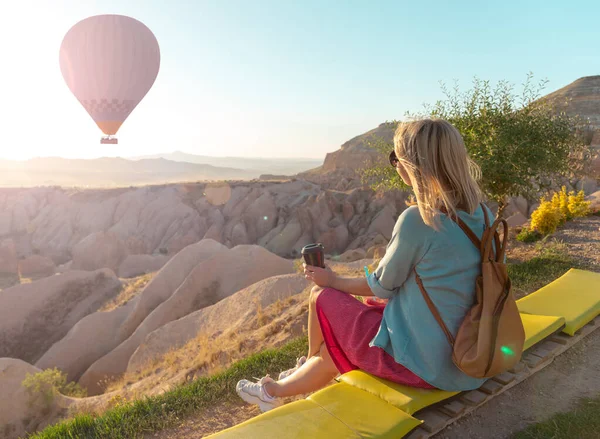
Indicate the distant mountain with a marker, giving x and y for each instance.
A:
(581, 98)
(340, 168)
(259, 165)
(111, 172)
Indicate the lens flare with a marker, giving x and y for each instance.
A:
(507, 351)
(218, 193)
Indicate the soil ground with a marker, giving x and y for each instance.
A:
(573, 375)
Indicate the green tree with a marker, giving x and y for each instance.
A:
(381, 176)
(522, 143)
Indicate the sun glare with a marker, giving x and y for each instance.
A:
(42, 119)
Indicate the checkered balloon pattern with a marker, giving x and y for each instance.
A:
(116, 108)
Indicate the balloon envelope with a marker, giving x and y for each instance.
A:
(109, 62)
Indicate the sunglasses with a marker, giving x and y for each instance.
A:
(394, 159)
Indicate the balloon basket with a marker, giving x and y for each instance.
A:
(109, 141)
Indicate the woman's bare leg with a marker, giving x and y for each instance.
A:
(315, 336)
(314, 375)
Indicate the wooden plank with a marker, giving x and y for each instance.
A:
(544, 354)
(491, 387)
(532, 360)
(588, 329)
(559, 338)
(417, 433)
(453, 408)
(516, 369)
(551, 346)
(507, 377)
(474, 397)
(562, 336)
(433, 420)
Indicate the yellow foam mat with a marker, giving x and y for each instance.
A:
(408, 399)
(297, 420)
(575, 296)
(538, 328)
(364, 413)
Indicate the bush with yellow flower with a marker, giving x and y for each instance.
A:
(562, 207)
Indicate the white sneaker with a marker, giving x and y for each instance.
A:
(254, 393)
(286, 373)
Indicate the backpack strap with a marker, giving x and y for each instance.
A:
(466, 229)
(478, 244)
(485, 215)
(433, 309)
(500, 245)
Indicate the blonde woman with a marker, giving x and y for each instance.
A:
(400, 340)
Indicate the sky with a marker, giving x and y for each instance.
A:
(280, 78)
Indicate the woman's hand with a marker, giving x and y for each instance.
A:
(323, 277)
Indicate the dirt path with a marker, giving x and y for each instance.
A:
(581, 236)
(572, 375)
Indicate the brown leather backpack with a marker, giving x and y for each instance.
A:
(491, 337)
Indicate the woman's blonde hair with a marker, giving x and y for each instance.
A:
(435, 158)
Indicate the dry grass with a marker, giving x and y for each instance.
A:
(197, 356)
(298, 268)
(261, 319)
(278, 306)
(207, 354)
(131, 288)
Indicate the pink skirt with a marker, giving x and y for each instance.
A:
(348, 326)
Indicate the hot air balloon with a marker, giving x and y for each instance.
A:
(109, 63)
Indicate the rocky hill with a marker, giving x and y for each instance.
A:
(206, 307)
(138, 229)
(580, 98)
(340, 168)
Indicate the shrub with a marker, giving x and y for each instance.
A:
(570, 205)
(528, 235)
(577, 204)
(551, 214)
(560, 202)
(47, 383)
(546, 218)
